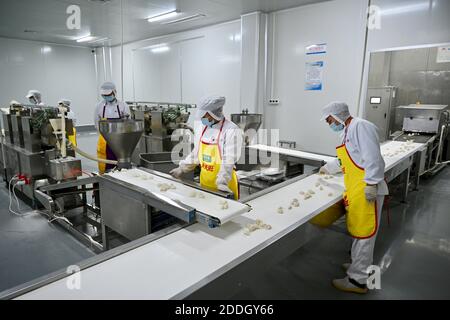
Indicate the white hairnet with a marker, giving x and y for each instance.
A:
(14, 103)
(65, 102)
(212, 105)
(36, 94)
(107, 88)
(338, 110)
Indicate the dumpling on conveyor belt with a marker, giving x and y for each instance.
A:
(258, 225)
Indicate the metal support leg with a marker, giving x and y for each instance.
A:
(417, 172)
(405, 191)
(84, 199)
(105, 237)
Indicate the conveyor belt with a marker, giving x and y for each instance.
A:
(205, 202)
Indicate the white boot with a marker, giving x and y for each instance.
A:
(348, 285)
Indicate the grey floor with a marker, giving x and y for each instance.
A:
(414, 251)
(31, 247)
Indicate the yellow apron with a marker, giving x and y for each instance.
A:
(210, 159)
(73, 137)
(327, 217)
(362, 222)
(103, 151)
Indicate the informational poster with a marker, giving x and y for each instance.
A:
(316, 49)
(313, 78)
(443, 54)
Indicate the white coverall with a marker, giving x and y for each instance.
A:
(110, 110)
(363, 145)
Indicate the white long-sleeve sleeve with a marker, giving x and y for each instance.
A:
(191, 161)
(333, 167)
(231, 152)
(369, 148)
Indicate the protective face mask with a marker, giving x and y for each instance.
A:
(206, 122)
(109, 98)
(337, 128)
(33, 100)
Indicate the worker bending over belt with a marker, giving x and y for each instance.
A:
(217, 147)
(359, 158)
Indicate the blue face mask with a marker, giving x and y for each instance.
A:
(206, 122)
(109, 98)
(337, 128)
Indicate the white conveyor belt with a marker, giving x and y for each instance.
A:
(291, 152)
(202, 201)
(180, 263)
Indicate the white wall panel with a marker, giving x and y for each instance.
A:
(57, 71)
(209, 63)
(340, 24)
(410, 23)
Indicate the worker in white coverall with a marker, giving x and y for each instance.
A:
(359, 158)
(217, 148)
(35, 97)
(109, 108)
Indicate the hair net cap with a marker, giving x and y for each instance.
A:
(338, 110)
(65, 102)
(34, 93)
(107, 88)
(212, 105)
(14, 103)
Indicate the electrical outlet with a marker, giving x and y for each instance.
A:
(274, 102)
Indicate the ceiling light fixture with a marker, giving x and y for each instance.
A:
(100, 40)
(86, 38)
(186, 19)
(163, 16)
(160, 49)
(46, 49)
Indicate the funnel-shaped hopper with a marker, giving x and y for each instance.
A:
(122, 136)
(56, 124)
(249, 123)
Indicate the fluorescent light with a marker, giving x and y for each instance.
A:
(86, 38)
(406, 9)
(46, 49)
(235, 37)
(100, 40)
(160, 49)
(186, 19)
(163, 16)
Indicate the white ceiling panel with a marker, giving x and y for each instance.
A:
(45, 20)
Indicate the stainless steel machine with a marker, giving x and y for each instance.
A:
(249, 124)
(380, 109)
(161, 120)
(427, 124)
(104, 211)
(34, 148)
(122, 211)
